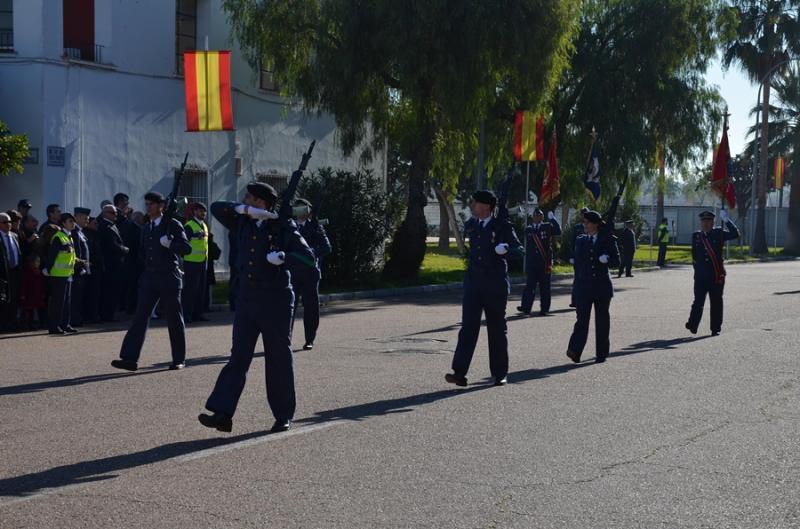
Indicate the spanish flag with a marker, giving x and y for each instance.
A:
(207, 86)
(528, 136)
(779, 167)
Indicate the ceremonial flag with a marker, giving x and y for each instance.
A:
(207, 88)
(592, 181)
(528, 136)
(719, 171)
(551, 184)
(779, 167)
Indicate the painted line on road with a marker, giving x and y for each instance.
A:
(6, 501)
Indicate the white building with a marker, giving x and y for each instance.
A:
(97, 87)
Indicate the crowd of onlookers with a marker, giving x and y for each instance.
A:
(104, 273)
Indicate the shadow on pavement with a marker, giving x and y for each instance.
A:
(657, 345)
(786, 293)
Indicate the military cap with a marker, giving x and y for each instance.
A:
(584, 210)
(65, 217)
(537, 211)
(154, 196)
(24, 203)
(593, 217)
(484, 196)
(82, 211)
(302, 202)
(199, 205)
(707, 215)
(629, 221)
(263, 191)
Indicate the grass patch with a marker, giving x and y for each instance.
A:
(682, 254)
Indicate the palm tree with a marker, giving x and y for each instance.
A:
(766, 35)
(786, 141)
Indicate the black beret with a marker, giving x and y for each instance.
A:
(65, 217)
(484, 196)
(199, 205)
(84, 211)
(24, 203)
(707, 214)
(263, 191)
(593, 217)
(537, 211)
(155, 196)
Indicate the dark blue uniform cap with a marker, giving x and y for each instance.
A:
(155, 196)
(82, 211)
(199, 205)
(593, 217)
(484, 196)
(263, 191)
(65, 217)
(707, 215)
(537, 211)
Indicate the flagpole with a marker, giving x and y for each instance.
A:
(525, 218)
(205, 55)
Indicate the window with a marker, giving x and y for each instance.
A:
(185, 30)
(6, 25)
(194, 186)
(267, 80)
(278, 181)
(79, 31)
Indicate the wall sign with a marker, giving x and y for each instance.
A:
(55, 156)
(33, 157)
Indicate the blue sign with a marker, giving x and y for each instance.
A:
(55, 156)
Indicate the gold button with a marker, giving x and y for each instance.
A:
(252, 250)
(250, 276)
(254, 237)
(250, 263)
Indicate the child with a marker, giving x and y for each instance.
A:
(32, 292)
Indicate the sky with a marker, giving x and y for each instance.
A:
(740, 95)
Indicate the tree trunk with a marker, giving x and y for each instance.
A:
(792, 244)
(660, 185)
(454, 227)
(759, 238)
(407, 249)
(444, 219)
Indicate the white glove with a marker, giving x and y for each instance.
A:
(603, 259)
(571, 260)
(501, 249)
(276, 258)
(723, 214)
(165, 241)
(550, 215)
(45, 272)
(255, 213)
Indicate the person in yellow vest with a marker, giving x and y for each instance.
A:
(59, 267)
(195, 265)
(662, 236)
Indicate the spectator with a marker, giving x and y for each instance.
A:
(16, 220)
(92, 291)
(114, 252)
(24, 207)
(28, 238)
(10, 275)
(32, 294)
(59, 267)
(131, 235)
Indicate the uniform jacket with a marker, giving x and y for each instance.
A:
(53, 250)
(111, 245)
(158, 261)
(592, 280)
(628, 243)
(537, 238)
(485, 269)
(255, 239)
(316, 238)
(81, 243)
(707, 254)
(95, 251)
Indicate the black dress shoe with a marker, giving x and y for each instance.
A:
(628, 275)
(177, 365)
(714, 333)
(575, 357)
(127, 365)
(691, 329)
(70, 329)
(57, 330)
(500, 381)
(544, 312)
(218, 421)
(309, 346)
(281, 425)
(523, 311)
(599, 359)
(455, 379)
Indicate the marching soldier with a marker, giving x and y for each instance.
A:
(82, 265)
(709, 272)
(486, 289)
(266, 246)
(577, 231)
(539, 260)
(662, 236)
(305, 280)
(628, 249)
(195, 265)
(594, 254)
(59, 267)
(163, 244)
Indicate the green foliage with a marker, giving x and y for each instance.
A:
(13, 150)
(361, 216)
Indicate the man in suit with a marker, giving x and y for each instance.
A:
(92, 294)
(595, 253)
(131, 235)
(266, 246)
(10, 275)
(486, 289)
(114, 252)
(709, 271)
(628, 249)
(82, 265)
(163, 244)
(305, 280)
(539, 260)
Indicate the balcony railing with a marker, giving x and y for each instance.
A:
(84, 52)
(6, 39)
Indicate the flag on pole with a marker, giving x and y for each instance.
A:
(779, 168)
(659, 159)
(551, 184)
(720, 178)
(207, 89)
(592, 181)
(528, 136)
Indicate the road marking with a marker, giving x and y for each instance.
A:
(6, 501)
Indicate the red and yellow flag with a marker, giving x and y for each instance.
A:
(207, 86)
(528, 136)
(551, 183)
(779, 168)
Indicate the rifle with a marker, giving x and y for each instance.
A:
(287, 199)
(502, 198)
(172, 198)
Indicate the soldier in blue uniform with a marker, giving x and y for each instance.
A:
(162, 245)
(305, 279)
(628, 249)
(539, 260)
(594, 254)
(486, 289)
(709, 271)
(266, 246)
(577, 231)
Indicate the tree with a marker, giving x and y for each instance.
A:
(763, 35)
(13, 150)
(448, 61)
